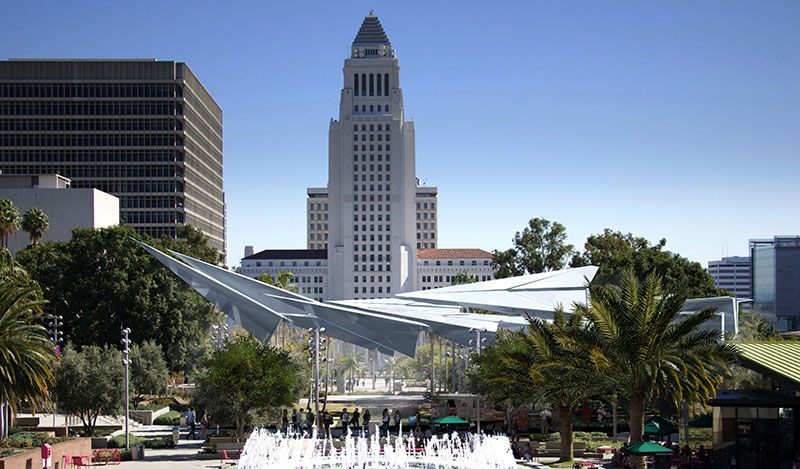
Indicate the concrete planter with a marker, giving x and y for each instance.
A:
(146, 417)
(32, 458)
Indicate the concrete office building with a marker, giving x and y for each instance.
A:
(776, 279)
(438, 268)
(732, 274)
(145, 131)
(66, 209)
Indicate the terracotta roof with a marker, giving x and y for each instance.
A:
(453, 254)
(290, 254)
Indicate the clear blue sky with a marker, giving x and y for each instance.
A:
(678, 120)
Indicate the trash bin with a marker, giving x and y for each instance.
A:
(176, 434)
(137, 452)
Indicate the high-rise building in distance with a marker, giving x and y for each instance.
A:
(776, 279)
(145, 131)
(732, 274)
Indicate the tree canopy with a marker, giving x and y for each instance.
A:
(148, 370)
(101, 281)
(34, 222)
(9, 220)
(540, 247)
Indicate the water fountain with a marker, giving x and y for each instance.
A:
(266, 449)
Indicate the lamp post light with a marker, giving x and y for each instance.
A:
(58, 338)
(315, 346)
(479, 344)
(126, 350)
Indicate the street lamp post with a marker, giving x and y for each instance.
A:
(479, 344)
(58, 338)
(126, 350)
(316, 345)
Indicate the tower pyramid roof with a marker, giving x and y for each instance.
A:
(371, 32)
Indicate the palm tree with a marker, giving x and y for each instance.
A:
(532, 365)
(351, 364)
(26, 353)
(284, 281)
(644, 350)
(35, 223)
(9, 221)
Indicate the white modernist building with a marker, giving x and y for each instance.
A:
(65, 208)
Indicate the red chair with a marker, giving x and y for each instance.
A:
(67, 461)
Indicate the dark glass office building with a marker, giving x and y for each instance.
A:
(145, 131)
(776, 279)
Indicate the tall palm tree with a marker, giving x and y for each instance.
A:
(351, 364)
(645, 350)
(26, 353)
(35, 223)
(532, 365)
(9, 221)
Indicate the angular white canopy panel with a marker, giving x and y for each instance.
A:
(369, 329)
(727, 311)
(536, 294)
(243, 309)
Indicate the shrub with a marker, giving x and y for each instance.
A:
(173, 418)
(152, 443)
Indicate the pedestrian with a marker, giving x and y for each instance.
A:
(294, 419)
(385, 423)
(397, 420)
(285, 421)
(345, 420)
(355, 418)
(190, 419)
(204, 423)
(301, 419)
(328, 423)
(366, 419)
(418, 422)
(310, 418)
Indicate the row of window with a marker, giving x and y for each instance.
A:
(371, 197)
(317, 290)
(424, 235)
(371, 227)
(91, 140)
(371, 137)
(89, 155)
(371, 187)
(150, 201)
(372, 289)
(424, 205)
(372, 268)
(371, 127)
(372, 206)
(318, 246)
(319, 226)
(86, 90)
(89, 125)
(372, 158)
(156, 231)
(372, 278)
(461, 262)
(370, 84)
(293, 263)
(117, 187)
(372, 258)
(372, 217)
(372, 148)
(319, 236)
(372, 168)
(426, 245)
(90, 108)
(424, 215)
(371, 107)
(425, 226)
(371, 177)
(318, 216)
(317, 206)
(371, 247)
(151, 217)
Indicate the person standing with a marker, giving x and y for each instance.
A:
(366, 419)
(204, 426)
(345, 420)
(310, 419)
(328, 423)
(355, 419)
(285, 421)
(418, 422)
(385, 423)
(190, 419)
(397, 420)
(294, 419)
(301, 419)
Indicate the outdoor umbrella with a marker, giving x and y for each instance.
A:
(658, 426)
(450, 420)
(704, 421)
(645, 448)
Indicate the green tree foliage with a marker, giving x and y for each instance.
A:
(532, 365)
(192, 242)
(102, 281)
(615, 252)
(90, 383)
(9, 221)
(644, 351)
(350, 365)
(754, 326)
(284, 281)
(34, 222)
(462, 278)
(148, 370)
(540, 247)
(246, 377)
(26, 353)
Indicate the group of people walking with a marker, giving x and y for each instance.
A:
(355, 421)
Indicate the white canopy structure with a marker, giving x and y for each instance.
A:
(394, 324)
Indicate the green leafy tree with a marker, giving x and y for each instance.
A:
(462, 278)
(26, 353)
(102, 281)
(9, 221)
(284, 281)
(350, 365)
(148, 370)
(644, 350)
(754, 326)
(532, 365)
(540, 247)
(614, 253)
(192, 242)
(245, 377)
(34, 222)
(90, 383)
